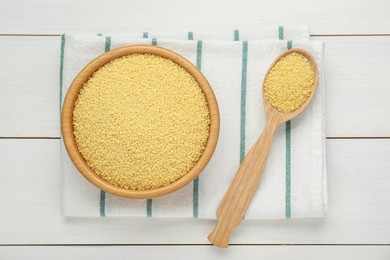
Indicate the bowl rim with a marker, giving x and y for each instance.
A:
(72, 95)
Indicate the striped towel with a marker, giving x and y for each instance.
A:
(234, 62)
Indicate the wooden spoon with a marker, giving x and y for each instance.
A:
(242, 188)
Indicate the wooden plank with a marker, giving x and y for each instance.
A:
(29, 76)
(357, 83)
(325, 16)
(30, 199)
(356, 71)
(197, 252)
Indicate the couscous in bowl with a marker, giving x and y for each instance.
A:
(86, 150)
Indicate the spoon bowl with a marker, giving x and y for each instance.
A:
(241, 190)
(283, 117)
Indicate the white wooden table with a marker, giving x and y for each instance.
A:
(357, 64)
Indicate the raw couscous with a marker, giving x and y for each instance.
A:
(289, 83)
(141, 122)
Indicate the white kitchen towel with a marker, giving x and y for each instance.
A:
(234, 62)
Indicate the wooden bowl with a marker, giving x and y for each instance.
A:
(67, 121)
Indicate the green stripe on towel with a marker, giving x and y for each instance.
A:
(288, 146)
(149, 202)
(62, 68)
(236, 35)
(102, 203)
(195, 191)
(199, 48)
(107, 47)
(190, 36)
(243, 98)
(288, 169)
(288, 159)
(195, 196)
(244, 66)
(281, 33)
(289, 45)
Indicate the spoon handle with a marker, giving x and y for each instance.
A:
(242, 188)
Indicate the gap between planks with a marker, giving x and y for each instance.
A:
(328, 138)
(179, 245)
(312, 35)
(30, 137)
